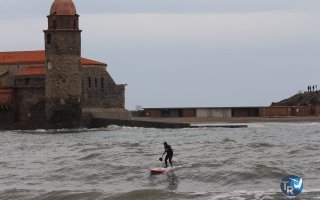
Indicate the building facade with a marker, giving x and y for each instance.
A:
(229, 112)
(57, 86)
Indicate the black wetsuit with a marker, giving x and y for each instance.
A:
(169, 155)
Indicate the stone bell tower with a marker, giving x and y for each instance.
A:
(63, 53)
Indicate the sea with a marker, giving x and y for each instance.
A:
(113, 163)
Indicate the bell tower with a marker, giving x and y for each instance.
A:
(63, 53)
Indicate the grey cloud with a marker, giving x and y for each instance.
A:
(196, 6)
(37, 8)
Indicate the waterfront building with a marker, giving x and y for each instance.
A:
(57, 86)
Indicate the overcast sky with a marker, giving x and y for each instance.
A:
(187, 53)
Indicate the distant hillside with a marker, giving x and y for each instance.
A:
(301, 99)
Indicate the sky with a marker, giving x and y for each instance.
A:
(188, 53)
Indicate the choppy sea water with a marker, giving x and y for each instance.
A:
(113, 163)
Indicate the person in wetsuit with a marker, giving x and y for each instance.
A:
(169, 151)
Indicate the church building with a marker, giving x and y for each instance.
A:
(57, 86)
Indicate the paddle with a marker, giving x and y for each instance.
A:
(160, 159)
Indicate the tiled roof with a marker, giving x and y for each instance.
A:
(19, 57)
(34, 57)
(32, 71)
(86, 61)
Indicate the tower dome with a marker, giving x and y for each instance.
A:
(63, 7)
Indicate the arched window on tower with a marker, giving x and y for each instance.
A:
(48, 38)
(89, 82)
(96, 82)
(54, 24)
(74, 24)
(102, 82)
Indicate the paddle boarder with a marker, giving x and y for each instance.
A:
(169, 151)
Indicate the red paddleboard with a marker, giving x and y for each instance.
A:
(159, 170)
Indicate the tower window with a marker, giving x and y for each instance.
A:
(48, 38)
(89, 82)
(74, 24)
(102, 82)
(54, 24)
(96, 82)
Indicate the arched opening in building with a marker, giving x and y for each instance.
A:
(102, 82)
(89, 82)
(96, 82)
(48, 38)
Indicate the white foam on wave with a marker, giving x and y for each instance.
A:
(136, 128)
(41, 130)
(175, 160)
(310, 190)
(281, 124)
(243, 195)
(256, 125)
(258, 195)
(113, 127)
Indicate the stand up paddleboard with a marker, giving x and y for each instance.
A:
(159, 170)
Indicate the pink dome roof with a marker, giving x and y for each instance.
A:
(63, 7)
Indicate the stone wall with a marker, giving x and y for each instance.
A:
(63, 77)
(63, 22)
(7, 114)
(63, 42)
(6, 97)
(99, 89)
(27, 99)
(108, 113)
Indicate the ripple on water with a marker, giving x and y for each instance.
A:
(114, 163)
(228, 140)
(147, 195)
(90, 156)
(70, 195)
(258, 145)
